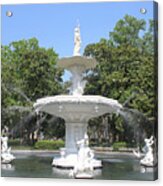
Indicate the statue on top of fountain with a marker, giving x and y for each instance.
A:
(77, 65)
(77, 41)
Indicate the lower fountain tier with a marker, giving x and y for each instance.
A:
(77, 109)
(70, 162)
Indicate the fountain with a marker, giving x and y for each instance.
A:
(76, 109)
(6, 156)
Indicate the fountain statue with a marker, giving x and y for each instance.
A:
(76, 109)
(149, 157)
(77, 41)
(84, 166)
(6, 156)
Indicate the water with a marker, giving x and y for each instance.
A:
(115, 167)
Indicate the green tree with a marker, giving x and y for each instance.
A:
(29, 72)
(126, 68)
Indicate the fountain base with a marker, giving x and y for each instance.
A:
(70, 161)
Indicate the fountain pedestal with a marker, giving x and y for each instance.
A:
(77, 65)
(74, 133)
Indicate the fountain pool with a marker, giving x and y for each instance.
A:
(115, 167)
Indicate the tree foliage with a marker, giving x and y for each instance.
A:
(126, 68)
(28, 72)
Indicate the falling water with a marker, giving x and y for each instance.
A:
(138, 123)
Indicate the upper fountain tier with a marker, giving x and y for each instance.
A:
(77, 65)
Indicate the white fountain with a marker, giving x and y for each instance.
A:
(6, 156)
(76, 109)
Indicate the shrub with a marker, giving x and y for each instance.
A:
(14, 142)
(117, 145)
(49, 144)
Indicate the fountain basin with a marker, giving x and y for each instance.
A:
(78, 108)
(69, 162)
(82, 62)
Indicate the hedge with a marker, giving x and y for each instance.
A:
(117, 145)
(14, 142)
(49, 144)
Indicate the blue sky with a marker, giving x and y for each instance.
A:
(53, 24)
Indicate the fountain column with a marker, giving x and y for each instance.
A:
(74, 133)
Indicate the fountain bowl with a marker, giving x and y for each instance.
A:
(77, 108)
(77, 61)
